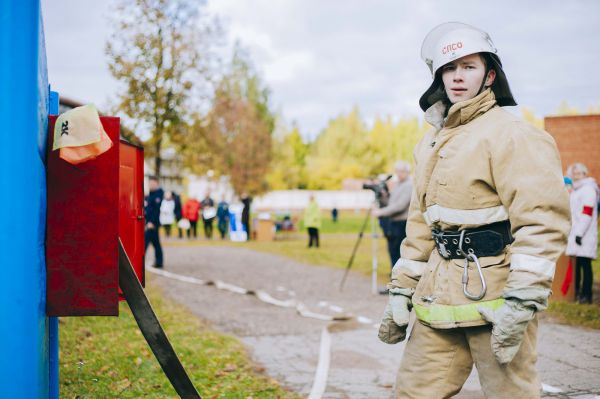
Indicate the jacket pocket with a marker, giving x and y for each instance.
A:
(486, 261)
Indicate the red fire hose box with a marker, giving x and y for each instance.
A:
(90, 205)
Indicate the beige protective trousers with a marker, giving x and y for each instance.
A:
(436, 364)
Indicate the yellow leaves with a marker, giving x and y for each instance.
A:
(229, 368)
(531, 117)
(347, 148)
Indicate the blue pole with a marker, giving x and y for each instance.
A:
(24, 369)
(53, 348)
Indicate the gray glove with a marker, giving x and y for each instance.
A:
(509, 324)
(396, 316)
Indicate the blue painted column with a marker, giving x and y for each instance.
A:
(23, 117)
(53, 348)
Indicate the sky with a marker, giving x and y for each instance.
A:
(321, 58)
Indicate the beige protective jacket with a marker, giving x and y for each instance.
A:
(479, 166)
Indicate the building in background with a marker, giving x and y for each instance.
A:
(578, 140)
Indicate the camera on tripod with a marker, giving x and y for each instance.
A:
(381, 190)
(382, 196)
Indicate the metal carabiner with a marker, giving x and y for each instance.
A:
(465, 277)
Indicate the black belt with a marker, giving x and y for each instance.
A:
(487, 240)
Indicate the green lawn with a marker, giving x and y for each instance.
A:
(575, 314)
(107, 357)
(579, 314)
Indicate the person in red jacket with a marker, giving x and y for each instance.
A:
(191, 210)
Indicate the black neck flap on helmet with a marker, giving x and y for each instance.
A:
(500, 87)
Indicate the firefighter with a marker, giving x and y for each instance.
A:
(489, 217)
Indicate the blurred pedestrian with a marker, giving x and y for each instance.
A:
(312, 222)
(222, 217)
(167, 212)
(208, 215)
(334, 214)
(191, 209)
(397, 212)
(247, 201)
(583, 239)
(178, 212)
(152, 204)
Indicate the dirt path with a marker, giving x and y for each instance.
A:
(287, 345)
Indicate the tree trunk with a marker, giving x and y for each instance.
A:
(157, 160)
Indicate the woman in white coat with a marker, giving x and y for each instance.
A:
(167, 212)
(583, 239)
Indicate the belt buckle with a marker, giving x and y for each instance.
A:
(439, 240)
(443, 251)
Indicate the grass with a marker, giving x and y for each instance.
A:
(348, 222)
(107, 357)
(335, 251)
(580, 314)
(575, 314)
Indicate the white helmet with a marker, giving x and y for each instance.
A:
(450, 41)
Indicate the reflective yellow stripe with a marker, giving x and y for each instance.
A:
(454, 313)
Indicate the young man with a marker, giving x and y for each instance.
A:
(152, 213)
(488, 218)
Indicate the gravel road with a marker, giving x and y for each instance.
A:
(287, 344)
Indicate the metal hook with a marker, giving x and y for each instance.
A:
(465, 277)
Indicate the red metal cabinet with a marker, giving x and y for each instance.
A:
(91, 205)
(131, 204)
(82, 231)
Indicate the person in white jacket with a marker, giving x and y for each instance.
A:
(167, 212)
(583, 239)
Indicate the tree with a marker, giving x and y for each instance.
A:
(235, 137)
(340, 151)
(288, 163)
(347, 148)
(395, 141)
(161, 53)
(565, 109)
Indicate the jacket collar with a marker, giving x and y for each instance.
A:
(460, 113)
(465, 111)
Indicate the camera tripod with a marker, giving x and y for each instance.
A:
(373, 253)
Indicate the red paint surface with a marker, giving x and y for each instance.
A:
(82, 231)
(131, 205)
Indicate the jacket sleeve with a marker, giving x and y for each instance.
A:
(527, 174)
(584, 219)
